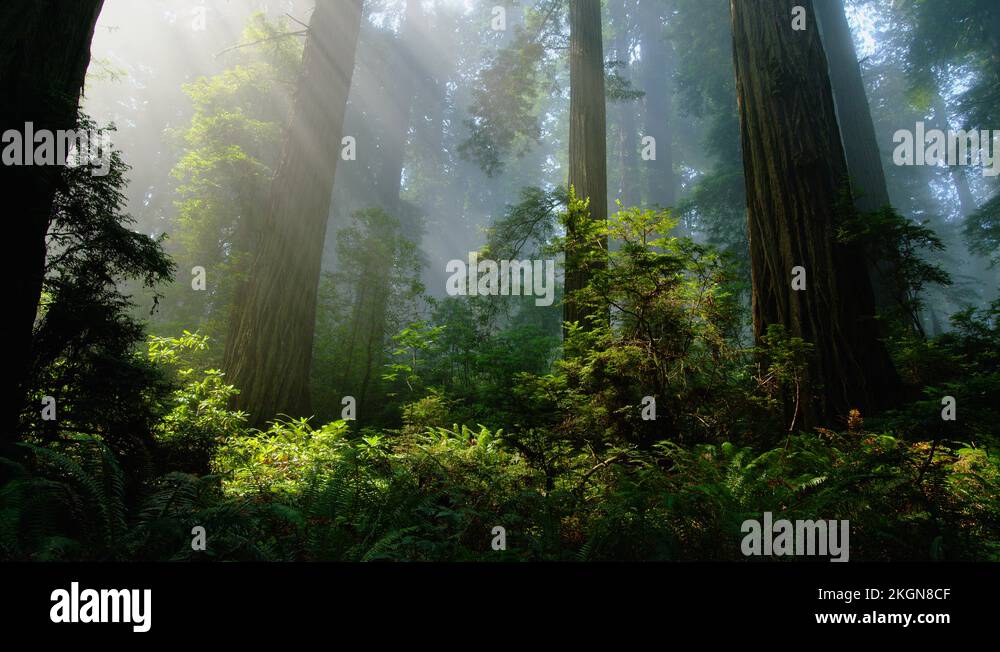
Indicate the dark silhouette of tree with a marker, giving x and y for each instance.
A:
(44, 54)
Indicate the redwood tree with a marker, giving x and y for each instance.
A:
(269, 348)
(587, 144)
(864, 162)
(795, 168)
(857, 129)
(657, 68)
(44, 55)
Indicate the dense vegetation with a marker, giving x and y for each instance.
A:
(646, 413)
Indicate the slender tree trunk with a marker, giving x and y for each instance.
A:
(269, 349)
(374, 347)
(400, 93)
(587, 140)
(627, 190)
(399, 75)
(966, 200)
(857, 130)
(657, 68)
(795, 166)
(44, 55)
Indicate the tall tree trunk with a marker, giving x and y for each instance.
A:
(44, 55)
(399, 77)
(400, 92)
(966, 200)
(269, 349)
(794, 166)
(657, 69)
(627, 190)
(373, 355)
(857, 130)
(588, 173)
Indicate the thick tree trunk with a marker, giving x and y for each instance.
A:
(269, 349)
(857, 130)
(44, 55)
(795, 166)
(587, 139)
(657, 69)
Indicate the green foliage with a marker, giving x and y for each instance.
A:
(85, 337)
(303, 493)
(674, 316)
(373, 293)
(459, 354)
(279, 460)
(73, 504)
(618, 88)
(411, 344)
(982, 230)
(227, 155)
(562, 481)
(505, 118)
(526, 226)
(432, 411)
(788, 360)
(902, 248)
(199, 419)
(963, 364)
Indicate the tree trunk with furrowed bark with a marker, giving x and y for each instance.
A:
(588, 173)
(795, 167)
(269, 348)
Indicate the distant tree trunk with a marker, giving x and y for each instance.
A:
(857, 130)
(269, 349)
(374, 346)
(44, 55)
(400, 88)
(587, 139)
(657, 68)
(628, 145)
(795, 166)
(965, 263)
(967, 201)
(400, 74)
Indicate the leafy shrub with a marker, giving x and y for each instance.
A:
(199, 419)
(279, 460)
